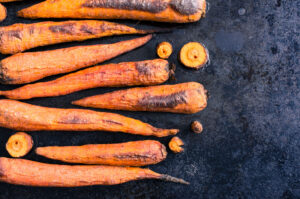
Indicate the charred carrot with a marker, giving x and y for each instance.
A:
(20, 37)
(31, 66)
(175, 11)
(180, 98)
(19, 144)
(176, 145)
(26, 117)
(139, 153)
(30, 173)
(149, 72)
(3, 12)
(164, 50)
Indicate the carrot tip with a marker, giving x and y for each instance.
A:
(173, 179)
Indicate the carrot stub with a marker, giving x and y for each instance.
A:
(196, 127)
(138, 153)
(19, 144)
(194, 55)
(3, 12)
(175, 145)
(164, 50)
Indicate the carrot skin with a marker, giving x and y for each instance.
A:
(138, 153)
(149, 72)
(175, 11)
(20, 37)
(31, 66)
(26, 117)
(3, 13)
(31, 173)
(185, 98)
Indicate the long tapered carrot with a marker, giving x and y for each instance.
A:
(20, 37)
(180, 98)
(26, 117)
(149, 72)
(31, 66)
(138, 153)
(30, 173)
(176, 11)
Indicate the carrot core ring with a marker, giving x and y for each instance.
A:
(193, 55)
(19, 144)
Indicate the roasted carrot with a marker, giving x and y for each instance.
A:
(3, 12)
(30, 173)
(196, 127)
(194, 55)
(138, 153)
(31, 66)
(26, 117)
(180, 98)
(176, 145)
(149, 72)
(176, 11)
(164, 50)
(20, 37)
(19, 144)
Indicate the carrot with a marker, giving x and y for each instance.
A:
(194, 55)
(164, 50)
(180, 98)
(4, 1)
(176, 11)
(3, 12)
(175, 145)
(30, 173)
(139, 153)
(19, 144)
(20, 37)
(25, 117)
(149, 72)
(31, 66)
(196, 127)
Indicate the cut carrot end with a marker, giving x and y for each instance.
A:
(196, 127)
(175, 145)
(194, 55)
(164, 50)
(19, 144)
(3, 12)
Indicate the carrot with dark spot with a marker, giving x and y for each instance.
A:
(25, 117)
(180, 98)
(138, 153)
(31, 66)
(20, 37)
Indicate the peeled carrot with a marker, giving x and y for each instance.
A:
(20, 37)
(30, 173)
(3, 12)
(194, 55)
(164, 50)
(25, 117)
(149, 72)
(31, 66)
(139, 153)
(19, 144)
(176, 11)
(176, 145)
(180, 98)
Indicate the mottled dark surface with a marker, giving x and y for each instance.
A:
(250, 146)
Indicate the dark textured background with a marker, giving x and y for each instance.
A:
(250, 147)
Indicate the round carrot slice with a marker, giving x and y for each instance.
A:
(196, 127)
(19, 144)
(164, 50)
(3, 12)
(175, 145)
(194, 55)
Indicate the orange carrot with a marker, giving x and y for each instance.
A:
(194, 55)
(25, 117)
(180, 98)
(4, 1)
(31, 66)
(149, 72)
(3, 12)
(176, 145)
(164, 50)
(138, 153)
(20, 37)
(176, 11)
(19, 144)
(196, 127)
(30, 173)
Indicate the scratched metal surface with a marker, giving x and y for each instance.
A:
(250, 147)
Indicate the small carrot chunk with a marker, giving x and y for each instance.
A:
(164, 50)
(194, 55)
(196, 127)
(19, 144)
(175, 145)
(3, 12)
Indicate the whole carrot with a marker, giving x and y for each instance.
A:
(25, 117)
(149, 72)
(31, 66)
(30, 173)
(176, 11)
(20, 37)
(179, 98)
(138, 153)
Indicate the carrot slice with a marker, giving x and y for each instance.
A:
(164, 50)
(3, 12)
(19, 144)
(175, 145)
(196, 127)
(194, 55)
